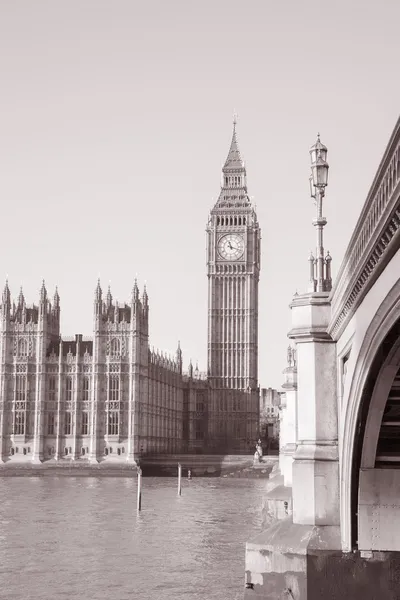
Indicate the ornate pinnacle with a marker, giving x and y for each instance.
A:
(109, 296)
(6, 293)
(43, 292)
(98, 292)
(135, 291)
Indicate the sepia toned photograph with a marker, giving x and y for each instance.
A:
(199, 300)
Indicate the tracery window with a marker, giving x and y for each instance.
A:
(115, 348)
(68, 389)
(67, 424)
(85, 389)
(20, 388)
(50, 424)
(113, 388)
(23, 348)
(52, 389)
(19, 423)
(85, 423)
(113, 423)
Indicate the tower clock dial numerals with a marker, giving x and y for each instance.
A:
(231, 246)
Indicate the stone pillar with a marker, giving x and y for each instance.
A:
(293, 555)
(76, 414)
(58, 454)
(282, 432)
(95, 399)
(316, 464)
(288, 448)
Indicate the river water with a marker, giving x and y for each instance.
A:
(78, 538)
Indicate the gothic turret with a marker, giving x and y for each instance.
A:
(6, 302)
(109, 298)
(43, 301)
(179, 357)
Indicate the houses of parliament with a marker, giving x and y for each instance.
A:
(109, 397)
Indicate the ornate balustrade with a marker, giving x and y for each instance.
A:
(375, 239)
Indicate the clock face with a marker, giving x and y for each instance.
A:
(231, 246)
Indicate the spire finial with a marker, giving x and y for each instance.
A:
(235, 117)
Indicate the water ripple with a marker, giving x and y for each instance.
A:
(82, 539)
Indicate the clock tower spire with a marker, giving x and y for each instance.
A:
(233, 268)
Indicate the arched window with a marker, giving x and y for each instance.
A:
(113, 388)
(113, 423)
(23, 348)
(235, 220)
(86, 389)
(231, 221)
(217, 220)
(244, 220)
(52, 389)
(115, 348)
(85, 423)
(240, 220)
(68, 389)
(226, 181)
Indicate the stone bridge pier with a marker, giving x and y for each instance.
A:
(334, 508)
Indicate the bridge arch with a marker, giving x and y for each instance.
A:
(371, 373)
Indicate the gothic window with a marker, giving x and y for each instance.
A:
(240, 220)
(20, 392)
(85, 423)
(68, 389)
(222, 221)
(115, 348)
(19, 423)
(50, 424)
(244, 220)
(113, 423)
(113, 388)
(217, 220)
(235, 220)
(86, 389)
(52, 389)
(67, 424)
(22, 348)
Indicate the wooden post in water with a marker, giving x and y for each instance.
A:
(139, 489)
(179, 479)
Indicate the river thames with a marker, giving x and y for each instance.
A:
(81, 538)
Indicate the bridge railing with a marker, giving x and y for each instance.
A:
(375, 239)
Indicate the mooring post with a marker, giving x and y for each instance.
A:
(179, 479)
(139, 489)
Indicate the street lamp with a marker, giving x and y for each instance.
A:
(321, 280)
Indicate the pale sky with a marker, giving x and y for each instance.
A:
(116, 119)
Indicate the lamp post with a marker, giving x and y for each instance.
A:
(320, 268)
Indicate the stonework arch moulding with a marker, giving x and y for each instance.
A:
(360, 365)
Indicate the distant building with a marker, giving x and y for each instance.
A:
(270, 400)
(110, 397)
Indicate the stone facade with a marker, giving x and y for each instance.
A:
(270, 400)
(111, 398)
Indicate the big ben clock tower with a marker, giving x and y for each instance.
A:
(233, 268)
